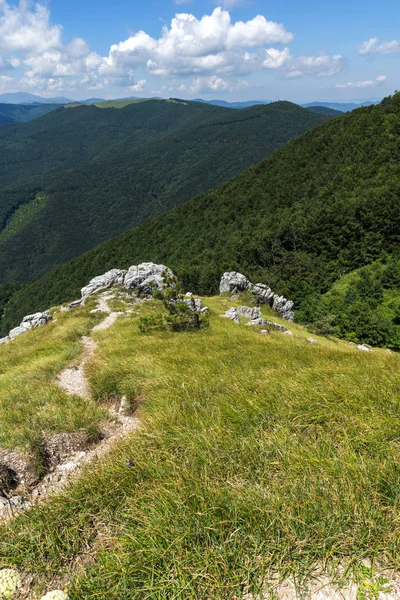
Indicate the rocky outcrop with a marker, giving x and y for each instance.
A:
(103, 282)
(196, 305)
(146, 276)
(249, 312)
(233, 282)
(28, 322)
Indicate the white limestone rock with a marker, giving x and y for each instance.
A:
(249, 312)
(232, 281)
(103, 282)
(146, 276)
(231, 314)
(363, 348)
(259, 321)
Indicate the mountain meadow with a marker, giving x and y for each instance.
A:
(256, 463)
(323, 206)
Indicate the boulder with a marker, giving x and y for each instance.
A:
(259, 321)
(249, 312)
(283, 307)
(5, 340)
(27, 323)
(103, 282)
(233, 281)
(16, 332)
(36, 320)
(311, 340)
(231, 314)
(363, 348)
(146, 277)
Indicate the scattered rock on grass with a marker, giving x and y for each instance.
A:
(363, 348)
(259, 321)
(311, 340)
(232, 314)
(250, 312)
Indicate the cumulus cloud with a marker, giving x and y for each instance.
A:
(363, 84)
(138, 87)
(210, 52)
(196, 46)
(372, 46)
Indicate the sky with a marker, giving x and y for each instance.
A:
(297, 50)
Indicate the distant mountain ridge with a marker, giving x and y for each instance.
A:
(26, 98)
(80, 175)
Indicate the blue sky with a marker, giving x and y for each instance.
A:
(299, 50)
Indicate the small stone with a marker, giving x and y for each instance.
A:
(19, 502)
(125, 407)
(264, 332)
(311, 340)
(287, 332)
(363, 348)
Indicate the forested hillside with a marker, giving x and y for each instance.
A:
(21, 113)
(324, 205)
(117, 167)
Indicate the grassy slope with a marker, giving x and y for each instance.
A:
(325, 204)
(257, 455)
(104, 197)
(31, 404)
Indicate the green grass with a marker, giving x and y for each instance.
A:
(257, 455)
(31, 404)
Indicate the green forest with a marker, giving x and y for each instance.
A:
(104, 170)
(322, 206)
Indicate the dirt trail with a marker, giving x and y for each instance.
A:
(74, 381)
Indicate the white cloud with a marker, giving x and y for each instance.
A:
(210, 52)
(196, 46)
(320, 65)
(138, 87)
(362, 84)
(372, 46)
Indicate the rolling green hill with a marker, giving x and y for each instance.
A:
(133, 161)
(325, 204)
(325, 110)
(21, 113)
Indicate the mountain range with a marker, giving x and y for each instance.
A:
(80, 175)
(323, 205)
